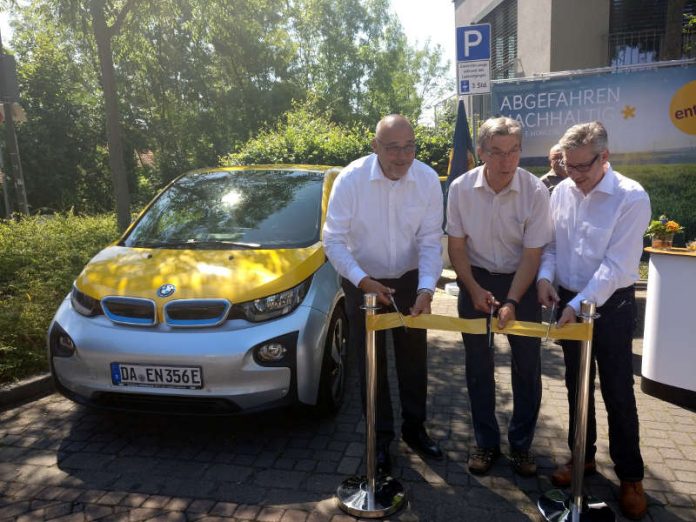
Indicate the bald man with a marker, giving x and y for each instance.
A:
(383, 235)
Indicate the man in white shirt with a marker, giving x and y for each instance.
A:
(599, 220)
(383, 235)
(497, 224)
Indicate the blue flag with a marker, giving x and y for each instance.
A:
(462, 156)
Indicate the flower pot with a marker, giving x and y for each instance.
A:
(663, 242)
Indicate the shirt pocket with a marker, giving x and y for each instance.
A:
(512, 230)
(410, 216)
(595, 241)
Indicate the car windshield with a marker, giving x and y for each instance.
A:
(234, 210)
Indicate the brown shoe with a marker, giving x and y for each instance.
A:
(632, 500)
(481, 459)
(523, 463)
(563, 475)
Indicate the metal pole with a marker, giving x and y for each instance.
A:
(556, 505)
(371, 393)
(370, 496)
(587, 312)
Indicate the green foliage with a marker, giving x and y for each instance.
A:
(40, 256)
(672, 191)
(304, 136)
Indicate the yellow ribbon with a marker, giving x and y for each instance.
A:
(568, 332)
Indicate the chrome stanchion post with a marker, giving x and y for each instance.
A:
(370, 496)
(557, 505)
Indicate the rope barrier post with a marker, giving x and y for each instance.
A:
(557, 505)
(370, 496)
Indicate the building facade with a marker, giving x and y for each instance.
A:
(533, 37)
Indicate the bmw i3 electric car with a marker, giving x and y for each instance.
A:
(218, 299)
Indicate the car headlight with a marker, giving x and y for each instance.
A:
(84, 304)
(276, 305)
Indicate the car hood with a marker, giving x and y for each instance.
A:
(236, 275)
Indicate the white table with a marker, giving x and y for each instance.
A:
(669, 340)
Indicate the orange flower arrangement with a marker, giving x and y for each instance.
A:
(662, 227)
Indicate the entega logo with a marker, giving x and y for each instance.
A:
(166, 290)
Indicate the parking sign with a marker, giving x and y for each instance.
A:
(474, 59)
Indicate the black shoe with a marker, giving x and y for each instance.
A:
(421, 443)
(383, 460)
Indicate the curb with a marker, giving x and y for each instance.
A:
(27, 390)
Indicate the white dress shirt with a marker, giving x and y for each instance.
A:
(598, 237)
(497, 226)
(383, 228)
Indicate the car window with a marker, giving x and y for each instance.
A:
(234, 209)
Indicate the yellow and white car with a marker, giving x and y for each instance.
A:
(218, 299)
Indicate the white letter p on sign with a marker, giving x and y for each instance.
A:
(471, 39)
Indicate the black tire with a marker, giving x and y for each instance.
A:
(332, 384)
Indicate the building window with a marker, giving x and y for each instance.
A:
(637, 31)
(503, 20)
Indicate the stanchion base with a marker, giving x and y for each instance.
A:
(353, 498)
(556, 505)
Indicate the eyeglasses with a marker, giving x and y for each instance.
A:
(395, 149)
(580, 167)
(500, 154)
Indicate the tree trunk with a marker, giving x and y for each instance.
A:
(672, 48)
(114, 136)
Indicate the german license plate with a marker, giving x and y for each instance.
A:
(188, 377)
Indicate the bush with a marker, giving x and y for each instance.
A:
(40, 256)
(672, 190)
(307, 136)
(303, 137)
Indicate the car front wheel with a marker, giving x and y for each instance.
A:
(333, 372)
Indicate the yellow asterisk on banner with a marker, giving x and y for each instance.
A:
(628, 112)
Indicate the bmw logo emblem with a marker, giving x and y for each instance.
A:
(166, 290)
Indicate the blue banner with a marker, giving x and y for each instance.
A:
(650, 115)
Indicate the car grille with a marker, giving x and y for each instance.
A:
(129, 310)
(196, 313)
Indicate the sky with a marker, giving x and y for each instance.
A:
(434, 19)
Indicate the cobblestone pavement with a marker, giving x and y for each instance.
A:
(61, 461)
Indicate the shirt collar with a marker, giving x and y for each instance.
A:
(481, 182)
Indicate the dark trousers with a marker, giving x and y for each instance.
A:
(612, 355)
(410, 356)
(526, 367)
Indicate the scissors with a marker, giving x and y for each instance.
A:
(489, 327)
(401, 317)
(551, 320)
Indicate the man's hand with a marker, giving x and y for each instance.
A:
(482, 299)
(506, 313)
(422, 304)
(547, 293)
(370, 286)
(568, 316)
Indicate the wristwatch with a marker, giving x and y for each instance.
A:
(425, 291)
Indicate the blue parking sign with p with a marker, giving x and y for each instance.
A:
(473, 42)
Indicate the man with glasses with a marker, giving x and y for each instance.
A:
(498, 222)
(599, 219)
(383, 235)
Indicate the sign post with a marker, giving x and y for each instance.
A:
(474, 59)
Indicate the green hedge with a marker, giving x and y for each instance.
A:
(40, 256)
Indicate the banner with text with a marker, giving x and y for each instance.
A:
(649, 114)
